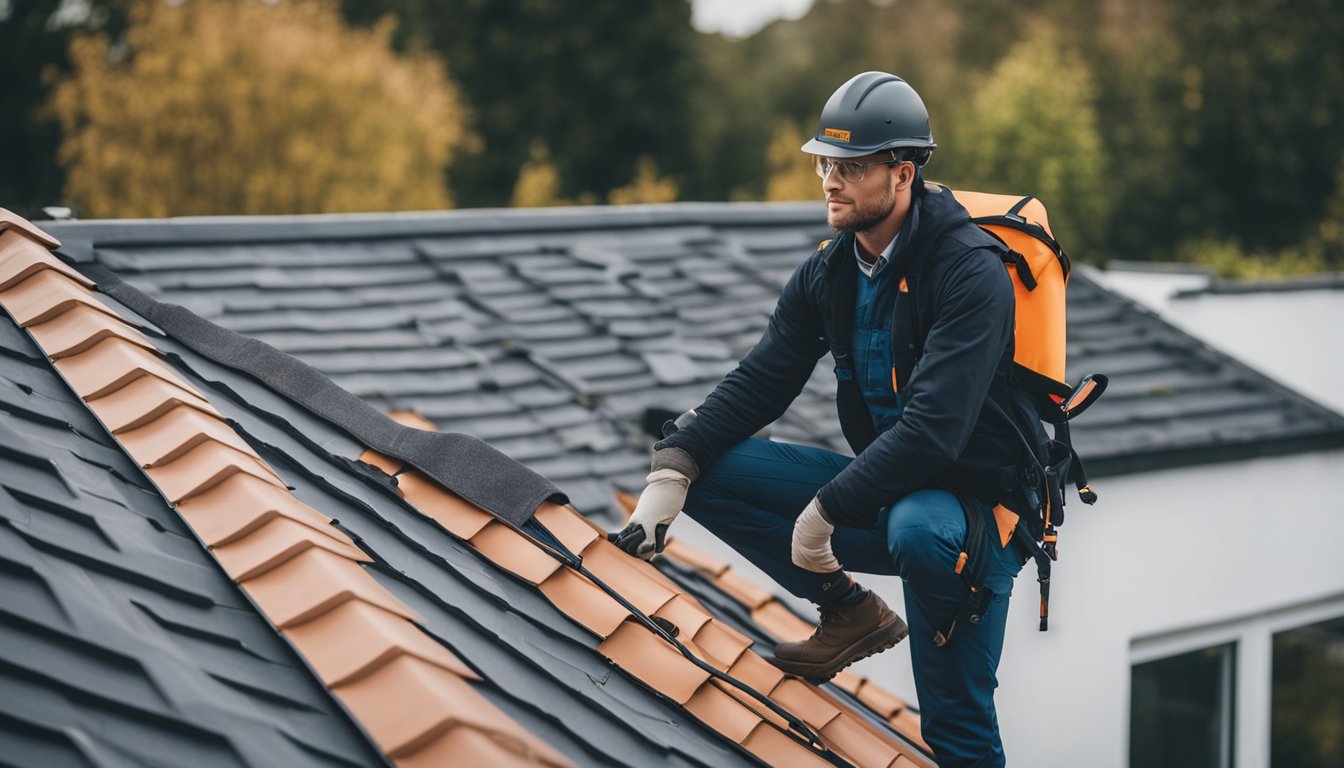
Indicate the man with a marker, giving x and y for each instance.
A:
(914, 304)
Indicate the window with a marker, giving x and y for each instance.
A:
(1307, 704)
(1181, 711)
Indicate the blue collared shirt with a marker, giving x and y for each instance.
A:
(874, 306)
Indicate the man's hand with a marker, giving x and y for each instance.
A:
(658, 506)
(812, 541)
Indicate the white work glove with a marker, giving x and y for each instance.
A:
(812, 541)
(659, 504)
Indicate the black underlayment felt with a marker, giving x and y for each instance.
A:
(462, 463)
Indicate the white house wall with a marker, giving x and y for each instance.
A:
(1161, 552)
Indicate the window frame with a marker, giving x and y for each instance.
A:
(1252, 638)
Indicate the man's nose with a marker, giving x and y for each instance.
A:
(832, 181)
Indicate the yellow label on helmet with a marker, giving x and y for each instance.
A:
(837, 134)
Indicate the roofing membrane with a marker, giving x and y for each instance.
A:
(364, 602)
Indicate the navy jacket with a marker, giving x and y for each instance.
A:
(952, 339)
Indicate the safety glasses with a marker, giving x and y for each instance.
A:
(851, 171)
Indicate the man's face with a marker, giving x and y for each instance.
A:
(858, 206)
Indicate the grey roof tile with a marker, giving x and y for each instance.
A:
(124, 641)
(608, 307)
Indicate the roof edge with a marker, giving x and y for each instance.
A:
(1183, 458)
(370, 226)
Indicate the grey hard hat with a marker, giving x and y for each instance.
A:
(871, 112)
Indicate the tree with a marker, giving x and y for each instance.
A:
(235, 106)
(599, 83)
(1262, 114)
(538, 182)
(791, 174)
(34, 36)
(1032, 129)
(646, 187)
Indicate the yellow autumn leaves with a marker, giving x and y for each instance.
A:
(242, 107)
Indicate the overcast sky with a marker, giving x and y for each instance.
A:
(743, 17)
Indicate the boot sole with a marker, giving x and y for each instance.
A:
(877, 641)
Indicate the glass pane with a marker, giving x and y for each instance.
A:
(1180, 711)
(1307, 720)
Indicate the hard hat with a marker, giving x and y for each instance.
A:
(871, 112)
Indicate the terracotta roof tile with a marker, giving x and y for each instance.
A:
(633, 577)
(776, 748)
(694, 558)
(730, 716)
(573, 530)
(847, 681)
(313, 582)
(863, 747)
(204, 467)
(780, 623)
(722, 644)
(687, 616)
(356, 639)
(243, 503)
(805, 701)
(411, 704)
(652, 661)
(386, 463)
(21, 258)
(458, 516)
(485, 749)
(21, 226)
(276, 543)
(584, 602)
(44, 295)
(142, 401)
(756, 672)
(110, 365)
(879, 700)
(746, 592)
(510, 551)
(175, 433)
(80, 328)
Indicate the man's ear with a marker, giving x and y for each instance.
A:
(905, 176)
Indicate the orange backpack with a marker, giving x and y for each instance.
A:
(1040, 273)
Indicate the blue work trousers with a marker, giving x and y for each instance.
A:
(750, 498)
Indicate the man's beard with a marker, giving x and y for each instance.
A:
(863, 216)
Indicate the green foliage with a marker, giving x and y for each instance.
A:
(599, 83)
(1262, 128)
(234, 106)
(1230, 259)
(1032, 129)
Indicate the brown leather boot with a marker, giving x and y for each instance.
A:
(846, 634)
